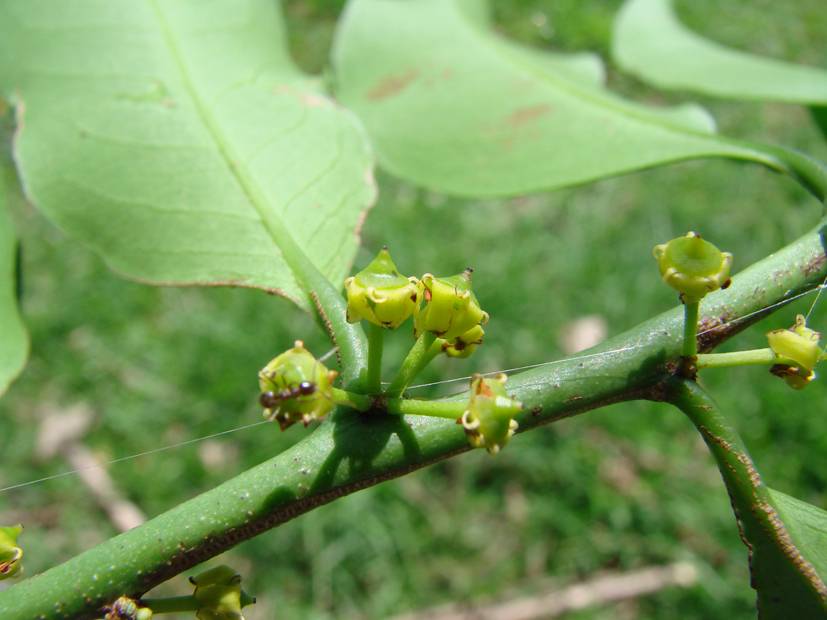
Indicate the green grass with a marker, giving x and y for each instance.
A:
(621, 488)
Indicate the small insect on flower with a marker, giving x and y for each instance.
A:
(296, 387)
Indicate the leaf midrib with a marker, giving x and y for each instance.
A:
(270, 220)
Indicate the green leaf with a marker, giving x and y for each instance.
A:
(14, 342)
(178, 140)
(652, 44)
(452, 106)
(807, 526)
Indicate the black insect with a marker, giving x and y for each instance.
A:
(270, 399)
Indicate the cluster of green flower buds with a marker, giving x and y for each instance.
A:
(380, 294)
(126, 608)
(445, 307)
(219, 595)
(489, 420)
(296, 387)
(11, 554)
(693, 266)
(799, 344)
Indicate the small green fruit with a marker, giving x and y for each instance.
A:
(693, 266)
(799, 344)
(219, 594)
(489, 420)
(380, 294)
(450, 307)
(11, 554)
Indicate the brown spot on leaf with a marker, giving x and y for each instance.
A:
(521, 116)
(392, 85)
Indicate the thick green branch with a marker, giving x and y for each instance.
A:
(352, 451)
(784, 578)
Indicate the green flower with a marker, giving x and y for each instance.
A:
(380, 294)
(692, 266)
(489, 420)
(10, 554)
(465, 344)
(451, 309)
(126, 608)
(799, 344)
(219, 594)
(296, 387)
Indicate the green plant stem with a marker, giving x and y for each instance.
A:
(423, 351)
(432, 408)
(353, 452)
(360, 402)
(330, 306)
(785, 580)
(170, 605)
(751, 357)
(691, 311)
(376, 340)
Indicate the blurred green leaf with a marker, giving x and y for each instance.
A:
(178, 140)
(652, 44)
(453, 107)
(14, 342)
(819, 114)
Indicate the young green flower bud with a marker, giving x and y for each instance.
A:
(465, 344)
(126, 608)
(219, 594)
(489, 420)
(10, 554)
(451, 309)
(380, 294)
(799, 344)
(296, 387)
(692, 266)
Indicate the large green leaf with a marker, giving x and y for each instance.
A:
(651, 43)
(14, 343)
(177, 139)
(452, 106)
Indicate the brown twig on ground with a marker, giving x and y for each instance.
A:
(600, 590)
(60, 434)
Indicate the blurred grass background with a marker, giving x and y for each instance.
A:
(621, 488)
